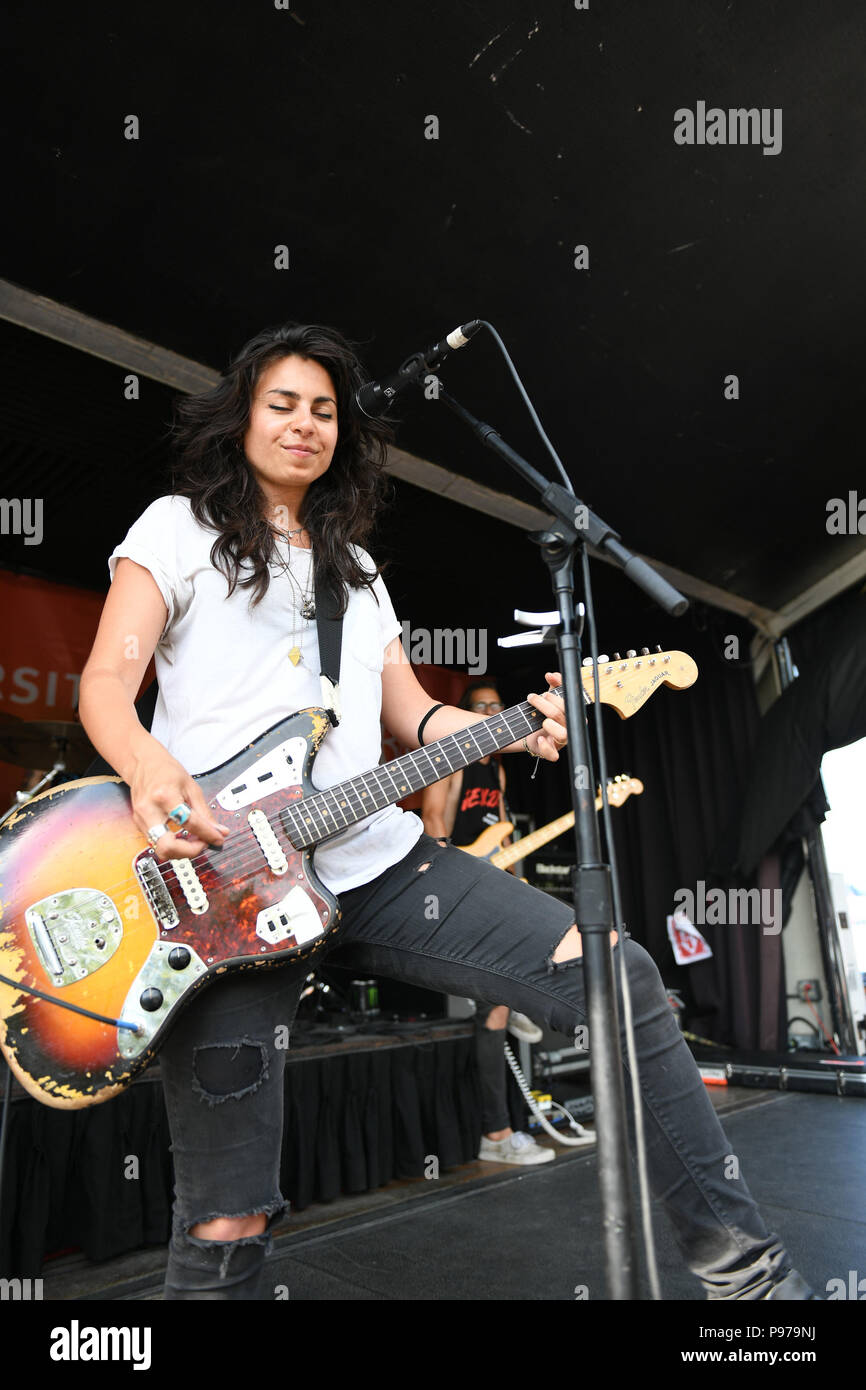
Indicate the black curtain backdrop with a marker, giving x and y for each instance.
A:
(692, 749)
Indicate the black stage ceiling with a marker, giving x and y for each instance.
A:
(262, 126)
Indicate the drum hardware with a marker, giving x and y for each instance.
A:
(35, 743)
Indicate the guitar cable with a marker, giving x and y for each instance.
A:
(64, 1004)
(584, 1138)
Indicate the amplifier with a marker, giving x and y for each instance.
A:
(551, 873)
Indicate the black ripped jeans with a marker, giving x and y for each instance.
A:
(450, 922)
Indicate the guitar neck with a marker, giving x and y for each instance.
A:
(528, 844)
(618, 792)
(327, 813)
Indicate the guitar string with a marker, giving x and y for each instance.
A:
(406, 765)
(253, 863)
(311, 835)
(116, 1022)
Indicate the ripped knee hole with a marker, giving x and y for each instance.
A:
(571, 946)
(227, 1071)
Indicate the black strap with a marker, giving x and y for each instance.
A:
(329, 624)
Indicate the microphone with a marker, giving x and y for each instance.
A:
(375, 397)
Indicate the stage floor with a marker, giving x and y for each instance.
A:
(490, 1232)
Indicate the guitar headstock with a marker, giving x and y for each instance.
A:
(621, 787)
(628, 682)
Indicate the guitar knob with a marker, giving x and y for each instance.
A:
(179, 958)
(151, 1000)
(631, 652)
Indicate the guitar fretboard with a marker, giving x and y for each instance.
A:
(326, 813)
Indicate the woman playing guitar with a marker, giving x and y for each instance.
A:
(277, 488)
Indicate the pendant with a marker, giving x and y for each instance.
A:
(295, 655)
(308, 609)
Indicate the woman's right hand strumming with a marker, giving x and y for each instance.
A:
(158, 785)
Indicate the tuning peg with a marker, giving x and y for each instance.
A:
(644, 651)
(617, 657)
(631, 652)
(587, 661)
(657, 648)
(602, 658)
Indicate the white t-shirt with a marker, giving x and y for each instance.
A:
(225, 676)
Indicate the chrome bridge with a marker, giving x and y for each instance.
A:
(74, 933)
(156, 892)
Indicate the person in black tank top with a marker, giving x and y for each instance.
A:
(462, 807)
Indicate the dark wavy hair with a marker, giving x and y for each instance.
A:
(211, 469)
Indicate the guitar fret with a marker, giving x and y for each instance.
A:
(334, 813)
(410, 773)
(311, 806)
(373, 790)
(400, 790)
(434, 773)
(383, 791)
(339, 807)
(297, 831)
(356, 807)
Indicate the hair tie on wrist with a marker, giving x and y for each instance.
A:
(430, 712)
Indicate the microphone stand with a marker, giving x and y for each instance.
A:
(575, 526)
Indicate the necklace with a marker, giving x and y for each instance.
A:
(303, 602)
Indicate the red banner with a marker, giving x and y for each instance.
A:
(48, 630)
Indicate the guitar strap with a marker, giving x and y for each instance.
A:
(329, 624)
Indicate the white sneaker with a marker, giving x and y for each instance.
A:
(523, 1028)
(515, 1148)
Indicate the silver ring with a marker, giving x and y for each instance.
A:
(181, 813)
(156, 832)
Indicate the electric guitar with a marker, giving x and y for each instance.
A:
(102, 943)
(487, 846)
